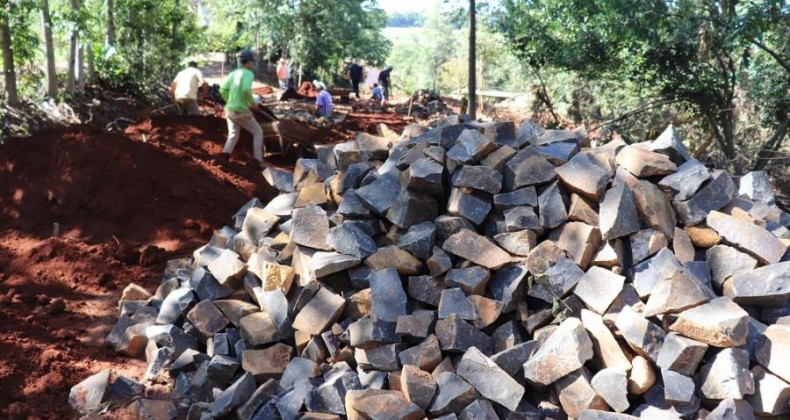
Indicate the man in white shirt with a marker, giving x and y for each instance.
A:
(184, 88)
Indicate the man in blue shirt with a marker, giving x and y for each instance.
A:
(323, 102)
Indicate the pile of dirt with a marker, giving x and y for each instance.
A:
(123, 207)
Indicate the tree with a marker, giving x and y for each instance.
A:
(694, 52)
(49, 49)
(472, 91)
(9, 72)
(109, 39)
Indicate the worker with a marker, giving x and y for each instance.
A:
(376, 96)
(239, 102)
(184, 89)
(355, 75)
(323, 102)
(385, 82)
(283, 73)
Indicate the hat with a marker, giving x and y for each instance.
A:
(319, 85)
(246, 56)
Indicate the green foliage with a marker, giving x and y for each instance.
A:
(690, 52)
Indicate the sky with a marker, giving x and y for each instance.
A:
(408, 5)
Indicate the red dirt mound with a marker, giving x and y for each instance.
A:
(112, 199)
(368, 122)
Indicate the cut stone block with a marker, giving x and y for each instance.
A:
(641, 377)
(259, 328)
(682, 246)
(508, 285)
(556, 282)
(764, 286)
(153, 409)
(643, 163)
(726, 261)
(512, 359)
(773, 350)
(470, 206)
(605, 345)
(453, 394)
(410, 208)
(394, 257)
(419, 324)
(388, 297)
(490, 380)
(585, 176)
(670, 144)
(310, 228)
(521, 197)
(553, 208)
(228, 269)
(470, 146)
(234, 396)
(645, 337)
(418, 386)
(681, 354)
(566, 350)
(718, 323)
(649, 272)
(488, 310)
(687, 180)
(771, 394)
(612, 385)
(732, 409)
(618, 215)
(381, 193)
(517, 243)
(322, 310)
(758, 242)
(579, 240)
(678, 388)
(378, 404)
(426, 355)
(471, 280)
(576, 394)
(456, 336)
(647, 242)
(329, 397)
(425, 176)
(207, 318)
(677, 292)
(269, 363)
(527, 167)
(481, 178)
(521, 218)
(598, 288)
(476, 248)
(88, 395)
(757, 186)
(352, 207)
(324, 264)
(272, 275)
(426, 289)
(583, 210)
(654, 208)
(716, 194)
(727, 376)
(419, 240)
(350, 240)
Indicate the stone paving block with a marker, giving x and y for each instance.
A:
(612, 385)
(618, 214)
(566, 350)
(322, 310)
(644, 163)
(598, 288)
(388, 297)
(310, 228)
(727, 375)
(490, 380)
(771, 394)
(576, 394)
(476, 248)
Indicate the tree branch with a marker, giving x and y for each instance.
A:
(772, 53)
(771, 145)
(637, 111)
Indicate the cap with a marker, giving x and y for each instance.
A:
(246, 56)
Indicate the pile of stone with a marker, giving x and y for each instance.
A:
(475, 271)
(424, 103)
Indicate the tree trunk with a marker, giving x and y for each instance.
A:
(109, 39)
(472, 93)
(9, 72)
(49, 50)
(81, 68)
(74, 40)
(91, 65)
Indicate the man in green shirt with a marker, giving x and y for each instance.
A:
(237, 92)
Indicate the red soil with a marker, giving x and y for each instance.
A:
(112, 198)
(125, 203)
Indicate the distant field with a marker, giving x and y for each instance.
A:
(401, 34)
